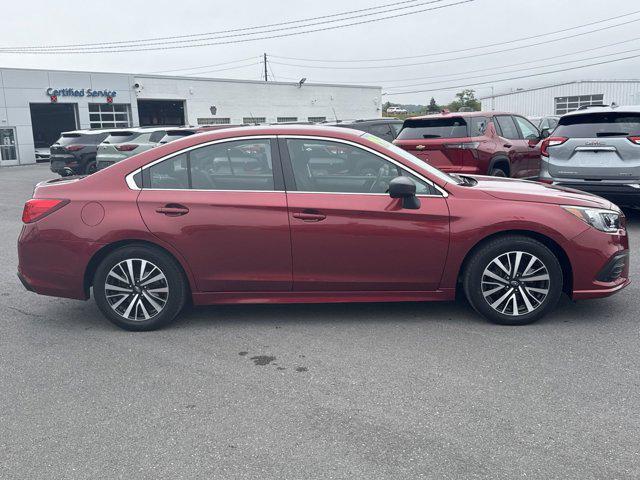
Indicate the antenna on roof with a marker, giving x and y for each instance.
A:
(334, 113)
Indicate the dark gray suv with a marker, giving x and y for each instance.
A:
(596, 150)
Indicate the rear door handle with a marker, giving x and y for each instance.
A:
(309, 217)
(173, 210)
(507, 145)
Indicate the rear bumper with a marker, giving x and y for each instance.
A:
(64, 164)
(619, 193)
(53, 268)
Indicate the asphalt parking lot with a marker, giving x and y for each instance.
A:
(323, 391)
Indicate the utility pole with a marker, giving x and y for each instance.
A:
(266, 77)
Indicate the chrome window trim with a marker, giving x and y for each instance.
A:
(132, 185)
(129, 177)
(374, 152)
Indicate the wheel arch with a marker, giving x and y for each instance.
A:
(101, 254)
(500, 160)
(551, 244)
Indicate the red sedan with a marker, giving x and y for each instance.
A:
(308, 214)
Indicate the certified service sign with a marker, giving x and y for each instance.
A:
(82, 92)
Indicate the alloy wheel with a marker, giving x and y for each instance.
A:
(136, 289)
(515, 283)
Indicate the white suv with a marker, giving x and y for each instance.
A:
(121, 144)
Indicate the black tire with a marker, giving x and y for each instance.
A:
(90, 168)
(498, 172)
(173, 279)
(505, 249)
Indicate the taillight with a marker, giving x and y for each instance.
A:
(551, 142)
(126, 147)
(74, 148)
(37, 208)
(635, 140)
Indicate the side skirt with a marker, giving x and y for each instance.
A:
(212, 298)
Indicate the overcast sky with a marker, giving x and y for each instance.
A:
(480, 22)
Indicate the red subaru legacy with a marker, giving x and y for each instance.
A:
(311, 214)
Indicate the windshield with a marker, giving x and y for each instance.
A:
(411, 159)
(442, 127)
(602, 124)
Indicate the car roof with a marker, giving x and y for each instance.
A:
(462, 114)
(91, 131)
(604, 109)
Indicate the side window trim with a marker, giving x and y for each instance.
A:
(278, 176)
(290, 183)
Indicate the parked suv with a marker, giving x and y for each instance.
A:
(75, 152)
(385, 128)
(483, 143)
(121, 144)
(596, 150)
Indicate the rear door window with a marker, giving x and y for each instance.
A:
(381, 130)
(507, 127)
(596, 125)
(426, 128)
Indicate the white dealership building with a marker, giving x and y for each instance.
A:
(565, 97)
(36, 105)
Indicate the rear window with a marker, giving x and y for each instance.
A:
(446, 127)
(84, 139)
(595, 125)
(121, 137)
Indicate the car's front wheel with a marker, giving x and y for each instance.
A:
(139, 288)
(513, 280)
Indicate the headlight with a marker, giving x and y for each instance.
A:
(608, 221)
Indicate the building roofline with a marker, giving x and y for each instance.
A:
(556, 85)
(180, 77)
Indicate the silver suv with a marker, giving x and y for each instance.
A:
(597, 150)
(121, 144)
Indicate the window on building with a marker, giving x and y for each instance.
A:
(254, 120)
(569, 104)
(317, 119)
(287, 119)
(325, 166)
(214, 121)
(109, 115)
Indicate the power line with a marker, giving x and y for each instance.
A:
(451, 87)
(371, 67)
(175, 37)
(492, 68)
(465, 49)
(431, 62)
(168, 46)
(518, 70)
(206, 66)
(225, 69)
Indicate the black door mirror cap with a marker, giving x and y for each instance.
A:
(404, 188)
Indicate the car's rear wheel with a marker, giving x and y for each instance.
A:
(513, 280)
(90, 168)
(139, 288)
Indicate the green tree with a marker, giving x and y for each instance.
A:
(465, 99)
(433, 106)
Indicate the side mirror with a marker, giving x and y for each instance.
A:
(544, 133)
(404, 188)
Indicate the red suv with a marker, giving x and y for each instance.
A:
(481, 143)
(312, 214)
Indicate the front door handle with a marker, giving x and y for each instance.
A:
(173, 210)
(507, 145)
(309, 217)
